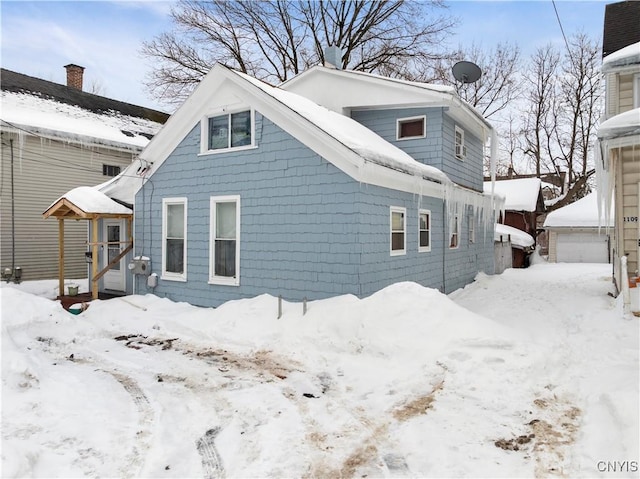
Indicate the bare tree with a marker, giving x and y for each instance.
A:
(276, 39)
(540, 96)
(563, 106)
(499, 84)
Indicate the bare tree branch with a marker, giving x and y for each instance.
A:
(275, 39)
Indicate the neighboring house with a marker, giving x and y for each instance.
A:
(55, 138)
(578, 233)
(618, 155)
(523, 203)
(336, 182)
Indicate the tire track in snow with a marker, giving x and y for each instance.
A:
(133, 464)
(211, 462)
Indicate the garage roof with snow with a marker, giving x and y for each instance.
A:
(579, 214)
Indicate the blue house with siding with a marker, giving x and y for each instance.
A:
(335, 182)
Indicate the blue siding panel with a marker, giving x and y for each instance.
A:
(306, 228)
(437, 148)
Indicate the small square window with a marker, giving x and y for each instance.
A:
(110, 170)
(411, 128)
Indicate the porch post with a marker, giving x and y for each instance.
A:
(61, 256)
(94, 258)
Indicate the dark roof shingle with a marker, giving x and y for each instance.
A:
(20, 83)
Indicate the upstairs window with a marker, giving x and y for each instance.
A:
(460, 148)
(424, 231)
(398, 231)
(232, 130)
(636, 90)
(414, 127)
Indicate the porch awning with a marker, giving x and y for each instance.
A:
(86, 202)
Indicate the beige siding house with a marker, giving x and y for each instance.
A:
(55, 138)
(619, 166)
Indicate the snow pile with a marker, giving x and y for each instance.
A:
(404, 383)
(581, 213)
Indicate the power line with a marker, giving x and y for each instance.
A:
(566, 42)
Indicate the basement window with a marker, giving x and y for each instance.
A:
(409, 128)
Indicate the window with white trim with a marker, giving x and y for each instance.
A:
(424, 231)
(398, 230)
(472, 227)
(454, 237)
(228, 131)
(409, 128)
(174, 239)
(224, 259)
(460, 148)
(636, 90)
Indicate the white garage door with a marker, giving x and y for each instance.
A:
(583, 248)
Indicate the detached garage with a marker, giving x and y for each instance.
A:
(577, 235)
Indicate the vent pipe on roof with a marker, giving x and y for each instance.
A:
(74, 76)
(333, 57)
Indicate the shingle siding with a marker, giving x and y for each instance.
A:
(426, 150)
(437, 148)
(306, 228)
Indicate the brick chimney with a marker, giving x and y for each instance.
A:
(74, 76)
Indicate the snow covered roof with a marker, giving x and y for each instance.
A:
(86, 201)
(624, 124)
(53, 119)
(629, 55)
(519, 238)
(345, 90)
(355, 136)
(520, 194)
(348, 145)
(581, 213)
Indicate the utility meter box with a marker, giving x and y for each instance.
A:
(140, 265)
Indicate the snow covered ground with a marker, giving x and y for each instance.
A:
(530, 373)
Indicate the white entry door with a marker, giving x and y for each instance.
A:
(113, 233)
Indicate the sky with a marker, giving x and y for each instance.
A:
(39, 38)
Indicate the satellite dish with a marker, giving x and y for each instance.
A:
(466, 72)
